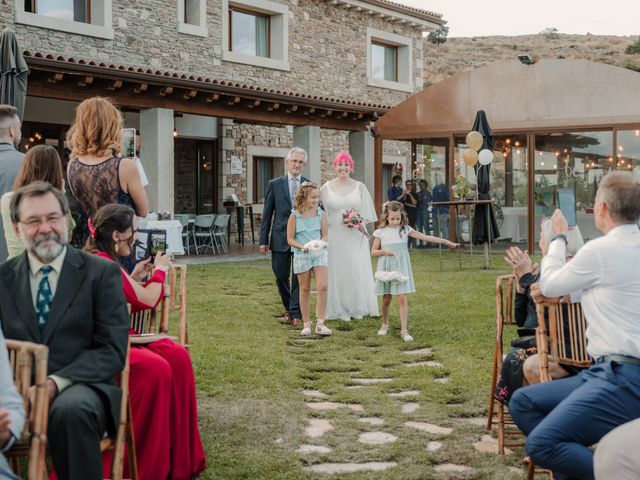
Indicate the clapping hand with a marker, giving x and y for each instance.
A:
(520, 261)
(141, 269)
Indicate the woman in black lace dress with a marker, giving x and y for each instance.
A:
(97, 174)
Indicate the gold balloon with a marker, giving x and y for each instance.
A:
(470, 157)
(474, 140)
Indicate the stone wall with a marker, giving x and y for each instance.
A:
(327, 46)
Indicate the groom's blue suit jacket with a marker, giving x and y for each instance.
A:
(277, 206)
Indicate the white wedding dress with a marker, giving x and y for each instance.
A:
(351, 290)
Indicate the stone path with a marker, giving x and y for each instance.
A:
(374, 431)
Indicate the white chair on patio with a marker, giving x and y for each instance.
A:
(183, 218)
(220, 226)
(203, 229)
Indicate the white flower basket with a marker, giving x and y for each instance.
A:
(390, 276)
(315, 247)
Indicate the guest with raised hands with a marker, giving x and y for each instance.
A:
(161, 382)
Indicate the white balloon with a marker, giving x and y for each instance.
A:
(485, 157)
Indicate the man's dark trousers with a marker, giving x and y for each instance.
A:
(286, 281)
(562, 418)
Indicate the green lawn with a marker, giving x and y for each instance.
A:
(251, 369)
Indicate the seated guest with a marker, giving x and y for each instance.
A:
(11, 411)
(563, 418)
(41, 162)
(161, 381)
(71, 302)
(617, 453)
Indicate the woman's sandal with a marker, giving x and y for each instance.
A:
(383, 330)
(322, 330)
(306, 331)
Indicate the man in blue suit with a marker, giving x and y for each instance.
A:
(278, 203)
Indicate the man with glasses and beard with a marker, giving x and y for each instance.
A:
(72, 302)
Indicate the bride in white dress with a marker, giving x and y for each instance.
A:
(351, 291)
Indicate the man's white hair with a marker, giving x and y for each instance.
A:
(296, 150)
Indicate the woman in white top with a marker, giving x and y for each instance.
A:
(351, 292)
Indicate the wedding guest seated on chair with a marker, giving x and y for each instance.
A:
(563, 418)
(11, 411)
(71, 302)
(161, 381)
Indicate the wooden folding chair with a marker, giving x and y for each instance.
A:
(28, 362)
(566, 334)
(124, 432)
(497, 414)
(175, 299)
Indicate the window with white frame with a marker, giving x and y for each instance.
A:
(255, 32)
(389, 60)
(92, 18)
(192, 17)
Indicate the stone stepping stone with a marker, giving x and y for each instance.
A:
(427, 363)
(451, 468)
(314, 394)
(410, 407)
(376, 438)
(488, 444)
(305, 449)
(443, 380)
(515, 470)
(404, 393)
(331, 468)
(429, 428)
(318, 427)
(479, 421)
(422, 351)
(334, 406)
(371, 381)
(371, 420)
(354, 387)
(434, 446)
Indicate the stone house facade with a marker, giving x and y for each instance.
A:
(221, 89)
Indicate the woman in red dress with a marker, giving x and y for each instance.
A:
(161, 380)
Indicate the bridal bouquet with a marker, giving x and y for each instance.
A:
(352, 219)
(315, 247)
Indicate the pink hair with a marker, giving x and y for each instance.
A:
(344, 157)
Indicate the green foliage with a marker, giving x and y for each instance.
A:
(439, 36)
(632, 66)
(250, 371)
(633, 49)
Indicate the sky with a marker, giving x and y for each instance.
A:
(469, 18)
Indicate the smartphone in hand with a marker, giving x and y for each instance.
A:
(567, 205)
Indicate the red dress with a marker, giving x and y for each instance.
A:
(163, 403)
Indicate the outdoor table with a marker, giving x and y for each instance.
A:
(173, 229)
(240, 211)
(456, 204)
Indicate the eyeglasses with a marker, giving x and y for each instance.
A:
(52, 219)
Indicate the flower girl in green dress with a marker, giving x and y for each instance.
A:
(393, 275)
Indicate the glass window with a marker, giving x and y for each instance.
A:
(575, 160)
(629, 151)
(265, 169)
(431, 165)
(206, 178)
(384, 62)
(75, 10)
(191, 12)
(249, 33)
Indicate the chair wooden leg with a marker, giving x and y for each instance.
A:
(492, 400)
(531, 469)
(500, 428)
(131, 447)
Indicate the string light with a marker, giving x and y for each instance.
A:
(175, 132)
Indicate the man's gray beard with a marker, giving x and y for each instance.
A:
(48, 254)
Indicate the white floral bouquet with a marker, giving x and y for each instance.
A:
(315, 247)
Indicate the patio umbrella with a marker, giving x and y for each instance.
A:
(13, 70)
(480, 227)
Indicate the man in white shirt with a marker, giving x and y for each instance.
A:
(564, 417)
